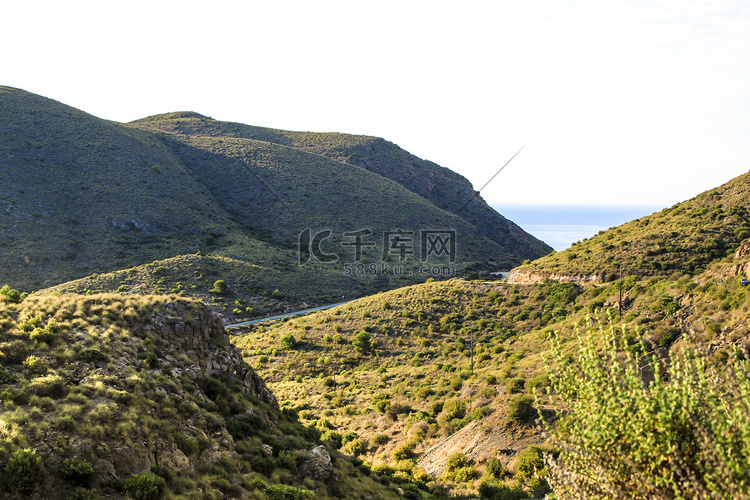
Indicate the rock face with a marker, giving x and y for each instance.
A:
(531, 276)
(318, 465)
(199, 334)
(743, 250)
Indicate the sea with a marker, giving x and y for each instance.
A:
(562, 225)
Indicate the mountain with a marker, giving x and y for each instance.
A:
(441, 186)
(81, 195)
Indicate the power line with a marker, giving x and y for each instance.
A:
(476, 193)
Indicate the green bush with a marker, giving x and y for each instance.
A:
(288, 341)
(378, 440)
(5, 377)
(11, 294)
(76, 471)
(281, 491)
(682, 435)
(531, 469)
(42, 335)
(494, 468)
(34, 366)
(362, 341)
(84, 494)
(220, 287)
(521, 409)
(23, 470)
(355, 447)
(404, 451)
(515, 385)
(453, 409)
(459, 469)
(144, 486)
(495, 490)
(189, 445)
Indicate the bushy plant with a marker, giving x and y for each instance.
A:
(362, 341)
(42, 335)
(494, 468)
(459, 469)
(84, 494)
(288, 341)
(144, 486)
(496, 490)
(11, 294)
(521, 409)
(682, 434)
(455, 408)
(355, 447)
(23, 470)
(76, 471)
(34, 366)
(220, 287)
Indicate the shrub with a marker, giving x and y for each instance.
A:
(34, 366)
(494, 468)
(495, 490)
(521, 409)
(378, 440)
(24, 469)
(355, 447)
(42, 335)
(531, 469)
(454, 408)
(404, 451)
(189, 445)
(76, 471)
(362, 341)
(144, 486)
(84, 494)
(5, 377)
(11, 294)
(515, 385)
(627, 437)
(220, 287)
(459, 469)
(332, 437)
(288, 341)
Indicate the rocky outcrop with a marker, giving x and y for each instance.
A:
(191, 330)
(481, 440)
(530, 276)
(318, 465)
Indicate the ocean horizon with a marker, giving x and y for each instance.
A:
(562, 225)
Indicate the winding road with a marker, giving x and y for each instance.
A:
(285, 315)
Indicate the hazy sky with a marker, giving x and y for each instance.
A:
(639, 102)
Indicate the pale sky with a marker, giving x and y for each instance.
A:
(639, 102)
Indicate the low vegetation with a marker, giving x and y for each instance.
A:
(122, 396)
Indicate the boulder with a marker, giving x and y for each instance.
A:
(318, 465)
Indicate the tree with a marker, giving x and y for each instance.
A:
(362, 341)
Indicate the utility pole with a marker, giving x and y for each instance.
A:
(619, 297)
(471, 344)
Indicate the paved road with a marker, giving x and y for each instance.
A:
(286, 315)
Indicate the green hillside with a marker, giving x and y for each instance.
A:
(439, 185)
(143, 397)
(423, 373)
(83, 196)
(683, 239)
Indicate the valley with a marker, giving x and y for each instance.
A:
(136, 257)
